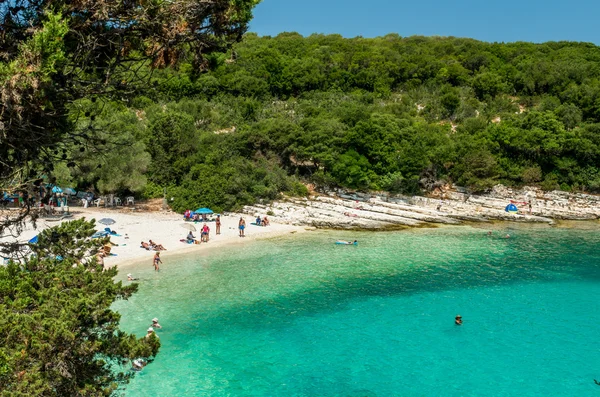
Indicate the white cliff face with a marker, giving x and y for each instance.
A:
(354, 210)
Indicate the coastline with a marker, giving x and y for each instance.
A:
(163, 228)
(450, 206)
(342, 211)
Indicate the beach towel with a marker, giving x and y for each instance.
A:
(102, 233)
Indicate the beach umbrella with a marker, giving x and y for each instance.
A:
(56, 189)
(511, 208)
(202, 211)
(34, 240)
(188, 226)
(107, 221)
(70, 190)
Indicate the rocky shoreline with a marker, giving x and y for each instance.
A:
(372, 211)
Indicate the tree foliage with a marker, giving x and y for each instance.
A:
(390, 113)
(60, 337)
(56, 55)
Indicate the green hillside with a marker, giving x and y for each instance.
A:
(390, 113)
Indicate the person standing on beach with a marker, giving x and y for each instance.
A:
(242, 226)
(157, 261)
(218, 224)
(204, 233)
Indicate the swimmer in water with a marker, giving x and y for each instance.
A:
(138, 364)
(458, 319)
(155, 323)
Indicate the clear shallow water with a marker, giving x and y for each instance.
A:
(299, 316)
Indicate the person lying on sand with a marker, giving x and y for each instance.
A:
(157, 247)
(146, 246)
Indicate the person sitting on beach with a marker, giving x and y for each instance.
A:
(156, 247)
(458, 319)
(155, 323)
(265, 221)
(204, 233)
(106, 249)
(145, 246)
(191, 237)
(258, 221)
(187, 215)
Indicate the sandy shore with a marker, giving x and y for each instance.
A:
(162, 228)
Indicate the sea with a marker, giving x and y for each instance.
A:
(301, 316)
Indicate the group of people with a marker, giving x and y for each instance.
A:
(262, 222)
(139, 364)
(188, 215)
(204, 233)
(152, 246)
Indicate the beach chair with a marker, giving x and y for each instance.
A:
(118, 201)
(129, 200)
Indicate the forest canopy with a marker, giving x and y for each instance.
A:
(388, 113)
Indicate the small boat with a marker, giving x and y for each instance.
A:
(342, 242)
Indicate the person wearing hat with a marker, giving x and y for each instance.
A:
(155, 323)
(138, 364)
(150, 332)
(130, 277)
(458, 319)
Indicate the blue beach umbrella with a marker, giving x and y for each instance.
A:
(107, 221)
(202, 211)
(56, 189)
(70, 190)
(34, 240)
(511, 208)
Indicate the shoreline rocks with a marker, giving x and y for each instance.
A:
(382, 211)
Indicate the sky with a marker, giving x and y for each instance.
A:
(487, 20)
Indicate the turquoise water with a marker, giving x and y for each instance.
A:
(300, 316)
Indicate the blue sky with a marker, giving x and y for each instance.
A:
(507, 20)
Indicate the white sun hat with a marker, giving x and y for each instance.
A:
(150, 329)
